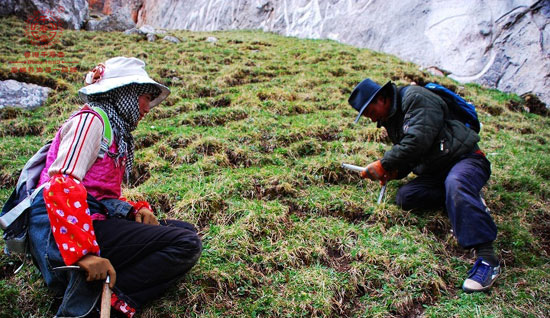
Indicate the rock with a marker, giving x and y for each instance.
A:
(110, 6)
(118, 21)
(151, 37)
(147, 29)
(7, 8)
(500, 44)
(172, 39)
(71, 14)
(22, 95)
(435, 71)
(133, 31)
(212, 39)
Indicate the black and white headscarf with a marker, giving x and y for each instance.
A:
(122, 108)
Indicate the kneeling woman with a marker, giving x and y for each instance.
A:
(80, 217)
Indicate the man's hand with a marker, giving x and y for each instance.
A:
(375, 171)
(146, 216)
(97, 268)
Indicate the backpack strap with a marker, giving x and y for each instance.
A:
(107, 140)
(8, 218)
(107, 130)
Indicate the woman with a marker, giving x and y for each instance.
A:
(80, 218)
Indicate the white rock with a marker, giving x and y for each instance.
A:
(147, 29)
(172, 39)
(22, 95)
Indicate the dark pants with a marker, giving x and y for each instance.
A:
(147, 258)
(458, 189)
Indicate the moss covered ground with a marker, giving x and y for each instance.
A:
(248, 147)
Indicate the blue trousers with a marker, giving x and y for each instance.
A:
(458, 190)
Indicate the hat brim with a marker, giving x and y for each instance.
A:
(108, 84)
(370, 100)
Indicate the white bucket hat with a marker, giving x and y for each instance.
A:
(117, 72)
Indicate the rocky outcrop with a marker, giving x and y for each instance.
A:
(71, 13)
(118, 21)
(110, 6)
(503, 44)
(22, 95)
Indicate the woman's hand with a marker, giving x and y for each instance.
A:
(146, 216)
(97, 268)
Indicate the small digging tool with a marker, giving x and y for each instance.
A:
(105, 309)
(361, 169)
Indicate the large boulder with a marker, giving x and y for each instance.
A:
(71, 14)
(118, 21)
(22, 95)
(110, 6)
(502, 44)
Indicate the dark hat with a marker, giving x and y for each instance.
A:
(363, 94)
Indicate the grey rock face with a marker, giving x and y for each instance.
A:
(22, 95)
(503, 44)
(72, 16)
(119, 21)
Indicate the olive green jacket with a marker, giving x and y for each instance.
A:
(425, 139)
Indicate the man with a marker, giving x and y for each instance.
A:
(443, 153)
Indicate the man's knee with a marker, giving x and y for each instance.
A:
(404, 200)
(452, 183)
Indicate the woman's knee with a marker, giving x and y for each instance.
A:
(189, 245)
(178, 223)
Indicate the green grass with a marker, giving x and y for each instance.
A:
(248, 147)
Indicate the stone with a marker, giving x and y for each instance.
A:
(133, 31)
(22, 95)
(435, 71)
(172, 39)
(118, 21)
(212, 39)
(147, 29)
(110, 6)
(151, 37)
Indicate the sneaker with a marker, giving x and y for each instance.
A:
(481, 277)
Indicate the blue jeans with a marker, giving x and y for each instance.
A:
(458, 189)
(148, 259)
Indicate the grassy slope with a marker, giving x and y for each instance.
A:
(248, 147)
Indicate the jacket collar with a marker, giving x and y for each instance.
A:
(395, 103)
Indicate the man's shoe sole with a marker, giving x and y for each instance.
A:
(486, 288)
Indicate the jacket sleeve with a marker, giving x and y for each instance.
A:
(70, 219)
(79, 147)
(65, 196)
(423, 121)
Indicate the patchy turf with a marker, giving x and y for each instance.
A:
(248, 147)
